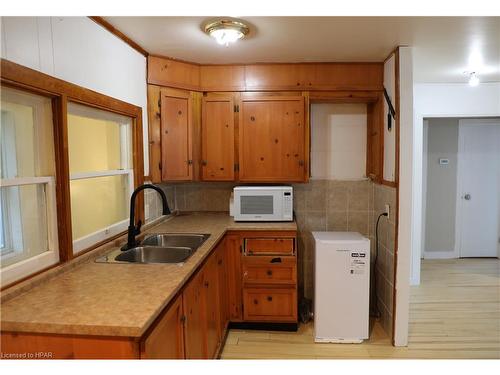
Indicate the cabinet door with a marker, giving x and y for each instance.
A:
(176, 146)
(270, 304)
(218, 139)
(195, 325)
(272, 139)
(234, 276)
(166, 341)
(221, 252)
(211, 302)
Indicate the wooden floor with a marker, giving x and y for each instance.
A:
(454, 313)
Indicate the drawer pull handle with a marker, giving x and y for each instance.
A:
(276, 260)
(269, 298)
(269, 273)
(255, 302)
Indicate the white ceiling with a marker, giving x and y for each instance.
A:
(443, 46)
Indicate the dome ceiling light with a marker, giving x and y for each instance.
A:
(226, 31)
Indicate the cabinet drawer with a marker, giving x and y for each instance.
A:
(279, 305)
(269, 270)
(266, 246)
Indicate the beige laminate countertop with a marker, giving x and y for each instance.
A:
(111, 299)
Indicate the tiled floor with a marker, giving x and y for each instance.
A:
(454, 313)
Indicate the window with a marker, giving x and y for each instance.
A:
(28, 224)
(62, 162)
(101, 174)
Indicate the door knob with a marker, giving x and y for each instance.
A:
(467, 197)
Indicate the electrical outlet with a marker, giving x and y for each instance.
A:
(388, 210)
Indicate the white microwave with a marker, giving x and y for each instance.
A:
(262, 203)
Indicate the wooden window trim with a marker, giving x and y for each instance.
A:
(61, 92)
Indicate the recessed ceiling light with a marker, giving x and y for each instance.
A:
(226, 31)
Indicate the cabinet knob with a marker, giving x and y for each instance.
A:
(269, 298)
(179, 113)
(219, 262)
(204, 162)
(255, 302)
(269, 273)
(252, 118)
(190, 162)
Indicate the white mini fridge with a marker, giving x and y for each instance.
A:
(342, 287)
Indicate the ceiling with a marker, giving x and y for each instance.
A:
(444, 47)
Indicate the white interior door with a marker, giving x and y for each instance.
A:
(478, 207)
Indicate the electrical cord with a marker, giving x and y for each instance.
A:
(376, 311)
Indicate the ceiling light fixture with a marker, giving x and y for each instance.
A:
(473, 79)
(226, 31)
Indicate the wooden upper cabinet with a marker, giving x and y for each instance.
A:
(166, 340)
(317, 76)
(265, 77)
(154, 127)
(347, 76)
(375, 139)
(176, 136)
(222, 77)
(217, 139)
(272, 139)
(173, 73)
(273, 77)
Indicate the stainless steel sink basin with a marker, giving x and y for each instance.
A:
(152, 254)
(158, 248)
(192, 241)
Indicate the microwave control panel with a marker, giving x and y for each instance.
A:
(287, 205)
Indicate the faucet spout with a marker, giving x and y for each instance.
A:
(134, 230)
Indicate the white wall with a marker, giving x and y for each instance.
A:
(440, 100)
(78, 50)
(338, 141)
(406, 203)
(441, 190)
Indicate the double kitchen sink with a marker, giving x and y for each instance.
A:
(158, 248)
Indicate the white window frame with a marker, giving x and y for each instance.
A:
(83, 243)
(48, 258)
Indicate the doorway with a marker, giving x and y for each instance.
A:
(461, 188)
(478, 188)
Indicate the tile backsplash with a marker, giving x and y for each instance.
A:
(320, 205)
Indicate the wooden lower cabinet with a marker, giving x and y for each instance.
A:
(166, 340)
(270, 304)
(228, 287)
(222, 273)
(211, 305)
(194, 324)
(233, 251)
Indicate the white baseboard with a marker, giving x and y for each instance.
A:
(450, 254)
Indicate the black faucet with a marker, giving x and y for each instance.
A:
(134, 230)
